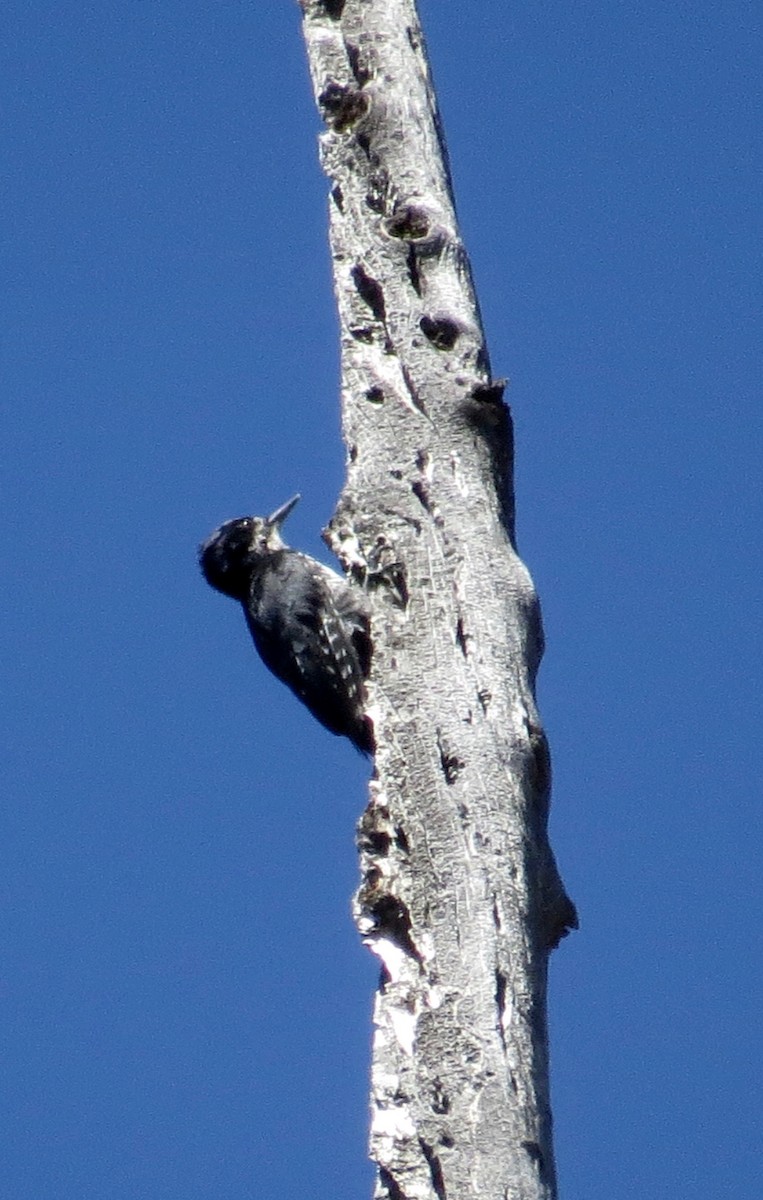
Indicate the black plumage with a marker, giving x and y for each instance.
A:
(309, 624)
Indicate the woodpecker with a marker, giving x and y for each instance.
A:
(310, 626)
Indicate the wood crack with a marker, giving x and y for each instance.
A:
(435, 1169)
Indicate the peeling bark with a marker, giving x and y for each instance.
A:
(460, 897)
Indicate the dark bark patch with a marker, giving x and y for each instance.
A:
(389, 575)
(388, 1181)
(536, 1155)
(451, 764)
(559, 920)
(484, 407)
(441, 332)
(484, 695)
(375, 395)
(540, 773)
(337, 195)
(485, 413)
(421, 492)
(362, 333)
(401, 840)
(397, 584)
(378, 191)
(364, 142)
(373, 834)
(333, 8)
(357, 66)
(462, 637)
(370, 291)
(408, 222)
(391, 919)
(374, 202)
(489, 393)
(440, 1098)
(435, 1169)
(500, 1001)
(376, 841)
(341, 106)
(412, 264)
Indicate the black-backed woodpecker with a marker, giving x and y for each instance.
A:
(309, 625)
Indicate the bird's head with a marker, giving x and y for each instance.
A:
(226, 558)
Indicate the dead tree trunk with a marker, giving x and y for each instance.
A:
(460, 898)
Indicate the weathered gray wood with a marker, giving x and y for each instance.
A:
(461, 898)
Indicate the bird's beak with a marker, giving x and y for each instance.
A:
(278, 517)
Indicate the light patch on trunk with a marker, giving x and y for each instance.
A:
(403, 1023)
(392, 955)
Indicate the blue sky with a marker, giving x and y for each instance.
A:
(184, 1006)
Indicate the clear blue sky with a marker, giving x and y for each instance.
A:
(184, 1006)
